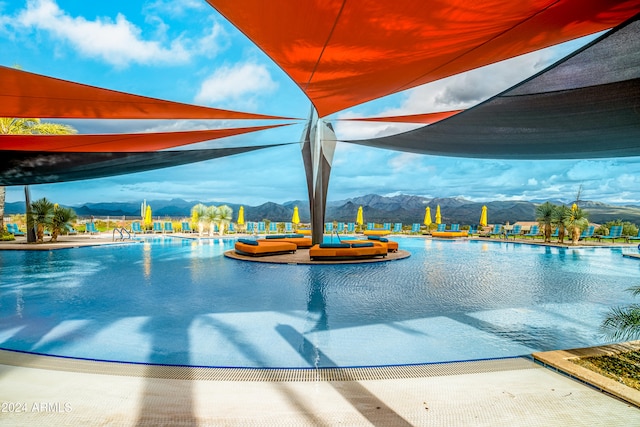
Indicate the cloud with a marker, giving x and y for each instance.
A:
(117, 42)
(239, 85)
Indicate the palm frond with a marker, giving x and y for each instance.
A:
(622, 323)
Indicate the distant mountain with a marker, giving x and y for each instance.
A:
(400, 208)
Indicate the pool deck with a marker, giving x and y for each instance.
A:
(41, 390)
(505, 392)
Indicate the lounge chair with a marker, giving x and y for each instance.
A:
(347, 251)
(91, 228)
(397, 228)
(340, 227)
(157, 227)
(263, 247)
(556, 233)
(261, 227)
(533, 232)
(168, 227)
(496, 231)
(288, 227)
(442, 227)
(615, 232)
(273, 227)
(328, 227)
(387, 226)
(515, 231)
(351, 228)
(454, 227)
(70, 230)
(185, 227)
(472, 230)
(630, 238)
(371, 225)
(231, 228)
(250, 227)
(13, 229)
(391, 245)
(588, 232)
(415, 228)
(136, 228)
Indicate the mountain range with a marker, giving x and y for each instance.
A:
(400, 208)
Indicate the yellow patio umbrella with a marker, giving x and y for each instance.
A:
(240, 220)
(483, 217)
(296, 216)
(427, 216)
(438, 217)
(360, 217)
(148, 219)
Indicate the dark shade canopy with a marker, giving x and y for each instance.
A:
(127, 142)
(426, 118)
(28, 167)
(585, 106)
(343, 53)
(27, 95)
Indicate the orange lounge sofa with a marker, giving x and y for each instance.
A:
(450, 234)
(376, 232)
(347, 251)
(391, 246)
(246, 247)
(298, 239)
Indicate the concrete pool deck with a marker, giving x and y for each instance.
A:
(505, 392)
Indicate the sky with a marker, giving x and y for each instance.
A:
(185, 51)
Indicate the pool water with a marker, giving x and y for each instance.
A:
(180, 301)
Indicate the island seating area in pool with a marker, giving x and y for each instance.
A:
(298, 239)
(347, 251)
(264, 247)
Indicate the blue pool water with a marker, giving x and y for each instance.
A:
(177, 301)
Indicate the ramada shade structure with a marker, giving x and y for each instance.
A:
(342, 53)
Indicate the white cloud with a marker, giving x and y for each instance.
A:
(239, 85)
(118, 42)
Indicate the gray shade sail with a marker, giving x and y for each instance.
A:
(585, 106)
(31, 167)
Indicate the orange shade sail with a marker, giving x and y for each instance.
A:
(426, 118)
(26, 95)
(121, 143)
(343, 53)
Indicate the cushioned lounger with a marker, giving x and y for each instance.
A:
(450, 234)
(347, 251)
(298, 239)
(390, 245)
(264, 248)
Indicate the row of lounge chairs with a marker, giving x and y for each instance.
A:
(615, 233)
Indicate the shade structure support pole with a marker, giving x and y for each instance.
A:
(31, 227)
(318, 146)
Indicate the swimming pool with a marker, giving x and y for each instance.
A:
(180, 301)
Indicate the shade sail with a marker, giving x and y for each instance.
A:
(426, 118)
(29, 167)
(27, 95)
(343, 53)
(585, 106)
(131, 142)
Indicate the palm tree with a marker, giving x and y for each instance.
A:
(212, 216)
(575, 220)
(623, 323)
(13, 126)
(198, 213)
(225, 215)
(557, 220)
(41, 213)
(544, 214)
(62, 218)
